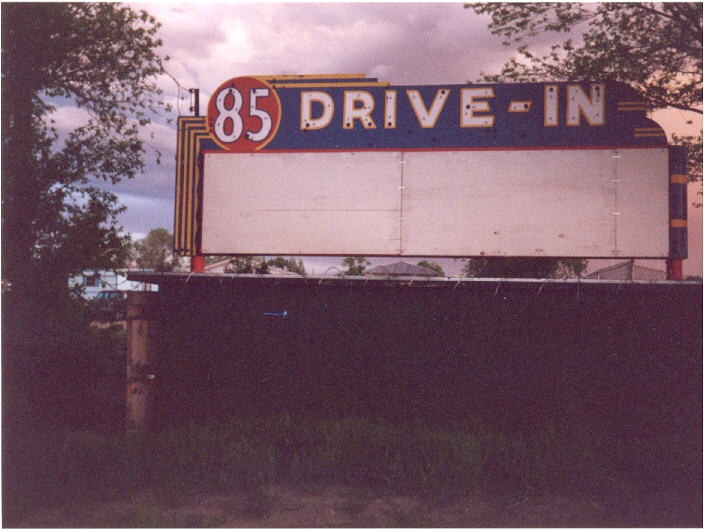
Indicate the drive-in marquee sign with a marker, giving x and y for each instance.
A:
(344, 164)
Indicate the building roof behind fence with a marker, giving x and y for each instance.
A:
(627, 271)
(401, 268)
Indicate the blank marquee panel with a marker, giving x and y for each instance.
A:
(301, 203)
(530, 203)
(571, 202)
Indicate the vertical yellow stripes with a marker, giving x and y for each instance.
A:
(191, 130)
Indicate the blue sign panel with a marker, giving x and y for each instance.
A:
(300, 113)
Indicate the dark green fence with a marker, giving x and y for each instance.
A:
(514, 355)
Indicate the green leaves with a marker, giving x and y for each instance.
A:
(103, 58)
(354, 265)
(524, 268)
(155, 252)
(656, 48)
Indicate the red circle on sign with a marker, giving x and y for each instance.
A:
(244, 114)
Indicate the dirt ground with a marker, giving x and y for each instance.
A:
(281, 506)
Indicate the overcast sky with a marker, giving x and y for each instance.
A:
(403, 43)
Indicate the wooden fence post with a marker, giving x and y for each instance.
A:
(141, 358)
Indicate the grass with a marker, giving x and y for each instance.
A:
(383, 458)
(402, 519)
(253, 453)
(152, 516)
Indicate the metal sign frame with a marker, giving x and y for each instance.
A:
(353, 113)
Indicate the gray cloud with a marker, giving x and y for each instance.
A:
(144, 213)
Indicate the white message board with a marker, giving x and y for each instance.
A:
(558, 202)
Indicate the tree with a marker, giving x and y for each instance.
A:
(279, 262)
(57, 218)
(103, 59)
(155, 252)
(291, 264)
(261, 265)
(354, 265)
(524, 268)
(246, 265)
(432, 265)
(296, 265)
(654, 47)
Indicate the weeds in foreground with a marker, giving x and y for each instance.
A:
(152, 516)
(402, 519)
(259, 503)
(253, 454)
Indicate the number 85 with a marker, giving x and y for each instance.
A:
(232, 114)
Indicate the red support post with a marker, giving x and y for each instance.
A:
(674, 269)
(198, 263)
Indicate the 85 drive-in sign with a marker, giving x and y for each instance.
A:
(349, 165)
(248, 114)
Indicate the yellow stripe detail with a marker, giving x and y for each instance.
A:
(631, 109)
(631, 102)
(195, 205)
(679, 179)
(188, 194)
(198, 204)
(649, 135)
(329, 85)
(190, 133)
(186, 170)
(191, 189)
(678, 223)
